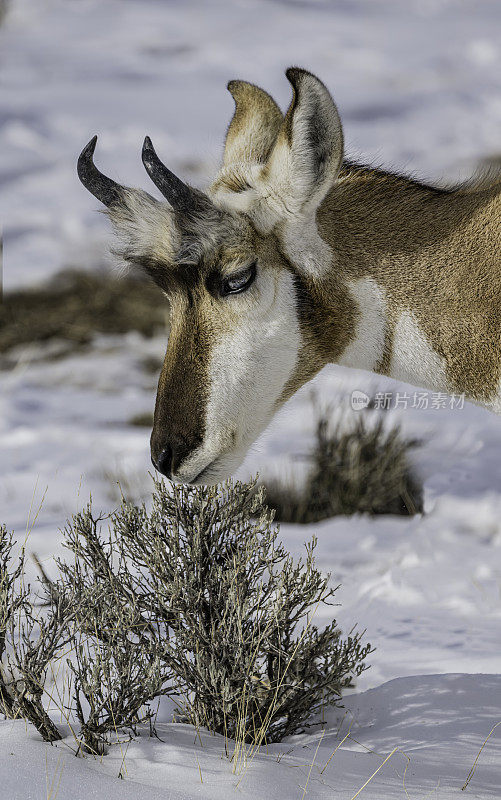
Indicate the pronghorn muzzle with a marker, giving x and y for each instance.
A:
(175, 450)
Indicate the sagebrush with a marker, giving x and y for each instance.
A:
(363, 468)
(195, 598)
(29, 642)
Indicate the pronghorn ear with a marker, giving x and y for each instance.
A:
(254, 127)
(308, 152)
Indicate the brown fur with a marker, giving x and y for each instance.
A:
(435, 253)
(182, 384)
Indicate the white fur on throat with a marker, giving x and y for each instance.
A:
(413, 359)
(366, 349)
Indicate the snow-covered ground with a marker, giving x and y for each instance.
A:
(432, 725)
(417, 83)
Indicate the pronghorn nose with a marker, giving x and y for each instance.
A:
(170, 458)
(164, 462)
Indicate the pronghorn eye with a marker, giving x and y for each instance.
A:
(235, 284)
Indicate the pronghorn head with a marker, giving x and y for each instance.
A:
(239, 267)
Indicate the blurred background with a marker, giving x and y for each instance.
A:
(417, 84)
(418, 88)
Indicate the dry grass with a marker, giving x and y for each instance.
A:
(75, 306)
(362, 469)
(144, 420)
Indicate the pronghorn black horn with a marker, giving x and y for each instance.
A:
(105, 189)
(179, 195)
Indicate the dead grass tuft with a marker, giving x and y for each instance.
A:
(75, 306)
(364, 469)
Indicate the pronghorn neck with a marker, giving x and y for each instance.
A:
(414, 288)
(391, 344)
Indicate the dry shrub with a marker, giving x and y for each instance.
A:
(364, 469)
(10, 600)
(217, 604)
(29, 642)
(196, 599)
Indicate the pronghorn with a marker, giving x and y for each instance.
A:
(296, 258)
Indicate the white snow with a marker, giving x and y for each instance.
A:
(431, 726)
(417, 84)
